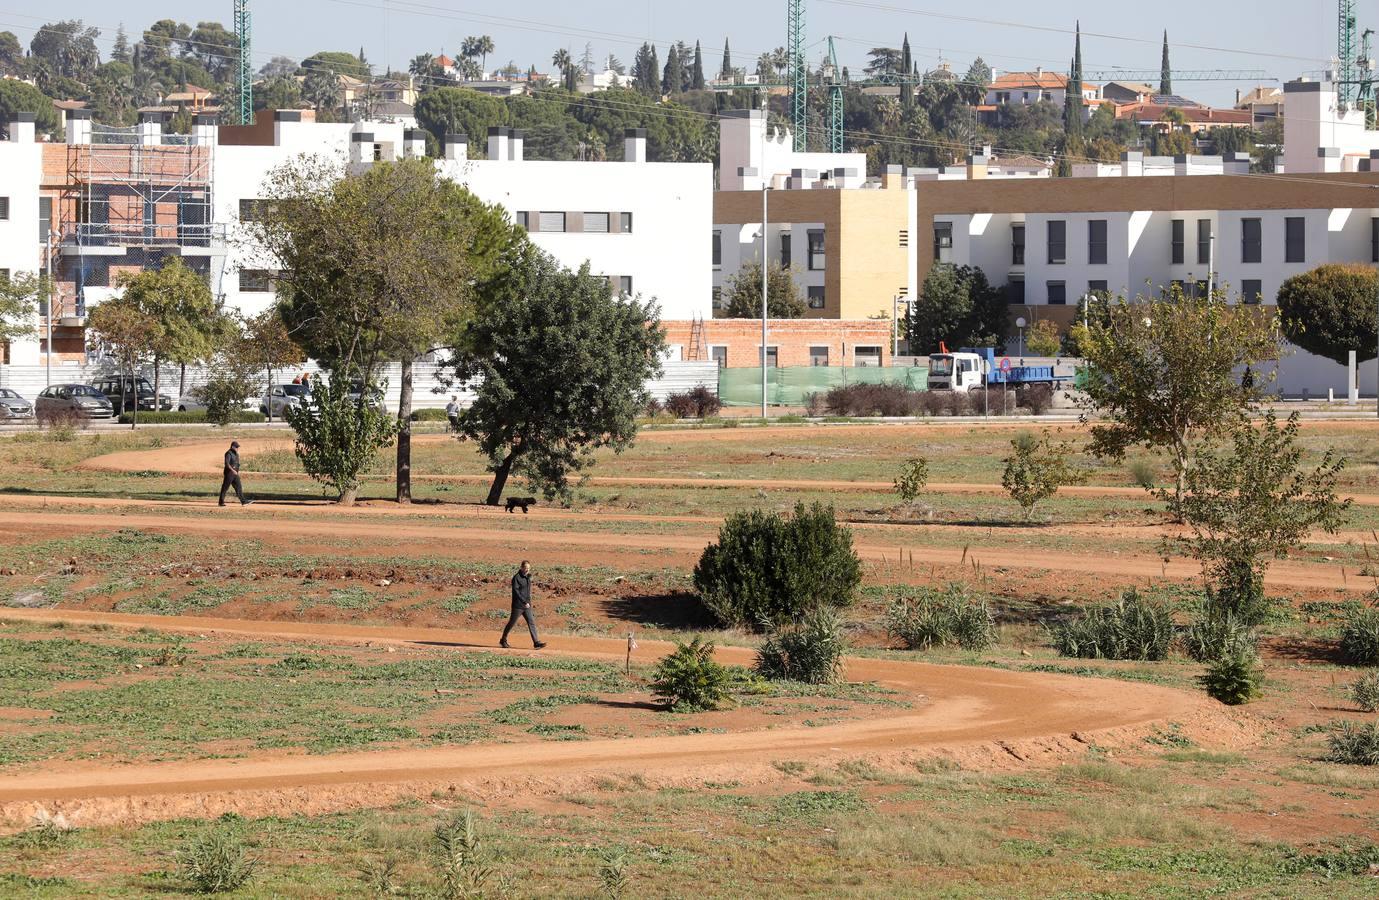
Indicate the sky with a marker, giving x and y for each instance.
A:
(1011, 35)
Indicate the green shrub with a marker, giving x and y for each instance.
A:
(810, 652)
(339, 437)
(1354, 745)
(1215, 633)
(913, 478)
(1365, 691)
(1035, 470)
(767, 569)
(1235, 677)
(190, 417)
(1142, 472)
(458, 858)
(936, 618)
(1360, 637)
(697, 403)
(689, 679)
(429, 415)
(215, 861)
(1130, 628)
(613, 875)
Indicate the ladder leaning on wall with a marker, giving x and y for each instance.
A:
(696, 344)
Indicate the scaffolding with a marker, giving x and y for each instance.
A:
(125, 205)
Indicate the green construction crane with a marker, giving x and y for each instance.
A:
(244, 71)
(834, 76)
(1346, 82)
(799, 74)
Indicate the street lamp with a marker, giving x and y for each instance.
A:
(765, 270)
(1020, 324)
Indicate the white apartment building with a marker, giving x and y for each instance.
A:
(21, 247)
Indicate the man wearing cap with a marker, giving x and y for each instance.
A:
(232, 475)
(521, 606)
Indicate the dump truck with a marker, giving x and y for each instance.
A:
(973, 368)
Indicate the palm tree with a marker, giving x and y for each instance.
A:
(322, 89)
(485, 47)
(561, 60)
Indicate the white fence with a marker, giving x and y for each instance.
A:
(429, 390)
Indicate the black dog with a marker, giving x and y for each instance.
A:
(524, 502)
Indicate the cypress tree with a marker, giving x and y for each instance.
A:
(674, 72)
(907, 88)
(726, 72)
(1165, 70)
(697, 82)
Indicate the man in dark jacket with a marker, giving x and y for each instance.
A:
(521, 606)
(231, 479)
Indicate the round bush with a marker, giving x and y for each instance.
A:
(767, 569)
(1235, 678)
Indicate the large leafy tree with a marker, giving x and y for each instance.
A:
(1163, 373)
(559, 367)
(742, 299)
(16, 96)
(127, 333)
(68, 47)
(957, 307)
(19, 296)
(11, 54)
(190, 322)
(376, 266)
(1331, 311)
(455, 110)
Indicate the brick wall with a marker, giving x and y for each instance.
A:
(792, 339)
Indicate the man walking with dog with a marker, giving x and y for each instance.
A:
(521, 606)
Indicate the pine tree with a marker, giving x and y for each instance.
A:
(726, 72)
(673, 77)
(1165, 70)
(120, 52)
(697, 82)
(907, 88)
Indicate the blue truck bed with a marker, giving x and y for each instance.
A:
(1015, 374)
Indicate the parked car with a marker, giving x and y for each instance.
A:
(14, 407)
(193, 399)
(278, 398)
(375, 396)
(82, 400)
(121, 391)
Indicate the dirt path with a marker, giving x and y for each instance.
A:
(494, 539)
(977, 716)
(204, 459)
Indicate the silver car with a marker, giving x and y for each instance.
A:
(14, 407)
(73, 399)
(279, 397)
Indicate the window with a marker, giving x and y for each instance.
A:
(904, 237)
(551, 222)
(785, 261)
(943, 242)
(718, 298)
(1295, 239)
(1252, 291)
(1015, 290)
(867, 357)
(816, 251)
(816, 298)
(1017, 245)
(771, 357)
(4, 207)
(719, 354)
(45, 218)
(250, 210)
(255, 281)
(626, 221)
(1252, 240)
(1204, 242)
(521, 219)
(1058, 242)
(1058, 293)
(625, 285)
(595, 223)
(1096, 242)
(718, 249)
(818, 356)
(1100, 288)
(1178, 231)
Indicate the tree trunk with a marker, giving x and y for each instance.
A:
(500, 479)
(404, 434)
(348, 495)
(134, 419)
(157, 382)
(268, 395)
(182, 383)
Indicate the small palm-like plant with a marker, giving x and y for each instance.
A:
(458, 858)
(689, 679)
(215, 861)
(1235, 677)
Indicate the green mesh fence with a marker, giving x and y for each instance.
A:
(789, 386)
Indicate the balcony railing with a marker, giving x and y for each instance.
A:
(134, 235)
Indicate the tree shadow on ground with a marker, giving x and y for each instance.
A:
(209, 496)
(648, 705)
(1304, 649)
(675, 610)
